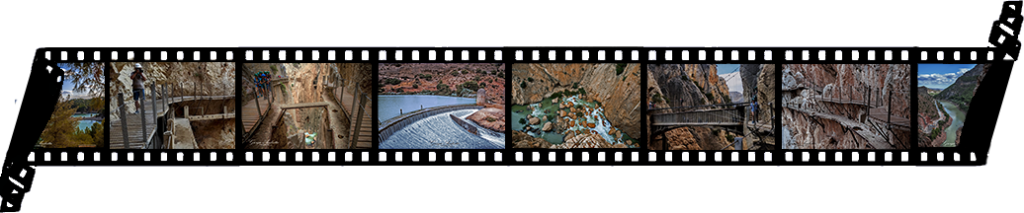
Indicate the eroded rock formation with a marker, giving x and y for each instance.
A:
(618, 93)
(847, 106)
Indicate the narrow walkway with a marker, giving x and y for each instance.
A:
(251, 112)
(137, 137)
(364, 135)
(876, 141)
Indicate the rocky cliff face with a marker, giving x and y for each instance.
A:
(846, 106)
(962, 91)
(764, 88)
(182, 78)
(690, 84)
(618, 93)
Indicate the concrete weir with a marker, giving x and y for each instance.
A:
(441, 131)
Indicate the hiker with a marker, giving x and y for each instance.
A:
(753, 110)
(138, 86)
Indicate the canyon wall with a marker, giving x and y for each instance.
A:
(827, 106)
(962, 91)
(618, 93)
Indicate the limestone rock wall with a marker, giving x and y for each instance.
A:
(825, 106)
(619, 94)
(186, 78)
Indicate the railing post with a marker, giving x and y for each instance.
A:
(153, 93)
(142, 105)
(259, 111)
(163, 89)
(124, 119)
(359, 121)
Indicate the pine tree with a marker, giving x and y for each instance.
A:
(97, 133)
(61, 127)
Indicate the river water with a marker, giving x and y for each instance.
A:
(85, 124)
(388, 106)
(546, 108)
(958, 121)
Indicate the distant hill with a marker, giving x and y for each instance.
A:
(736, 96)
(962, 91)
(734, 82)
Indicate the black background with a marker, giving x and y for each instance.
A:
(133, 189)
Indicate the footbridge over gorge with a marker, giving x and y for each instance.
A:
(732, 117)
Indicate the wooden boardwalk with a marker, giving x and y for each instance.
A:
(137, 137)
(251, 113)
(364, 134)
(303, 105)
(882, 114)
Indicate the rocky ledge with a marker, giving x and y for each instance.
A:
(490, 118)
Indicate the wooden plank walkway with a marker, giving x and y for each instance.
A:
(882, 114)
(862, 129)
(137, 137)
(303, 105)
(251, 113)
(364, 136)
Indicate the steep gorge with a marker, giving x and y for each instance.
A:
(619, 93)
(847, 106)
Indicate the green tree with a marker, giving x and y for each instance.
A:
(392, 81)
(85, 76)
(60, 129)
(442, 88)
(619, 68)
(97, 133)
(471, 85)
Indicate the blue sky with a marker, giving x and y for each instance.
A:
(940, 76)
(727, 68)
(69, 85)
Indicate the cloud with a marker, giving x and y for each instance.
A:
(943, 79)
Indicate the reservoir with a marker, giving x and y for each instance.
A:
(85, 124)
(958, 121)
(388, 106)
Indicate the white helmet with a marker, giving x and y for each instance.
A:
(138, 66)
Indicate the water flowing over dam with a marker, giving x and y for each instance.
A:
(439, 131)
